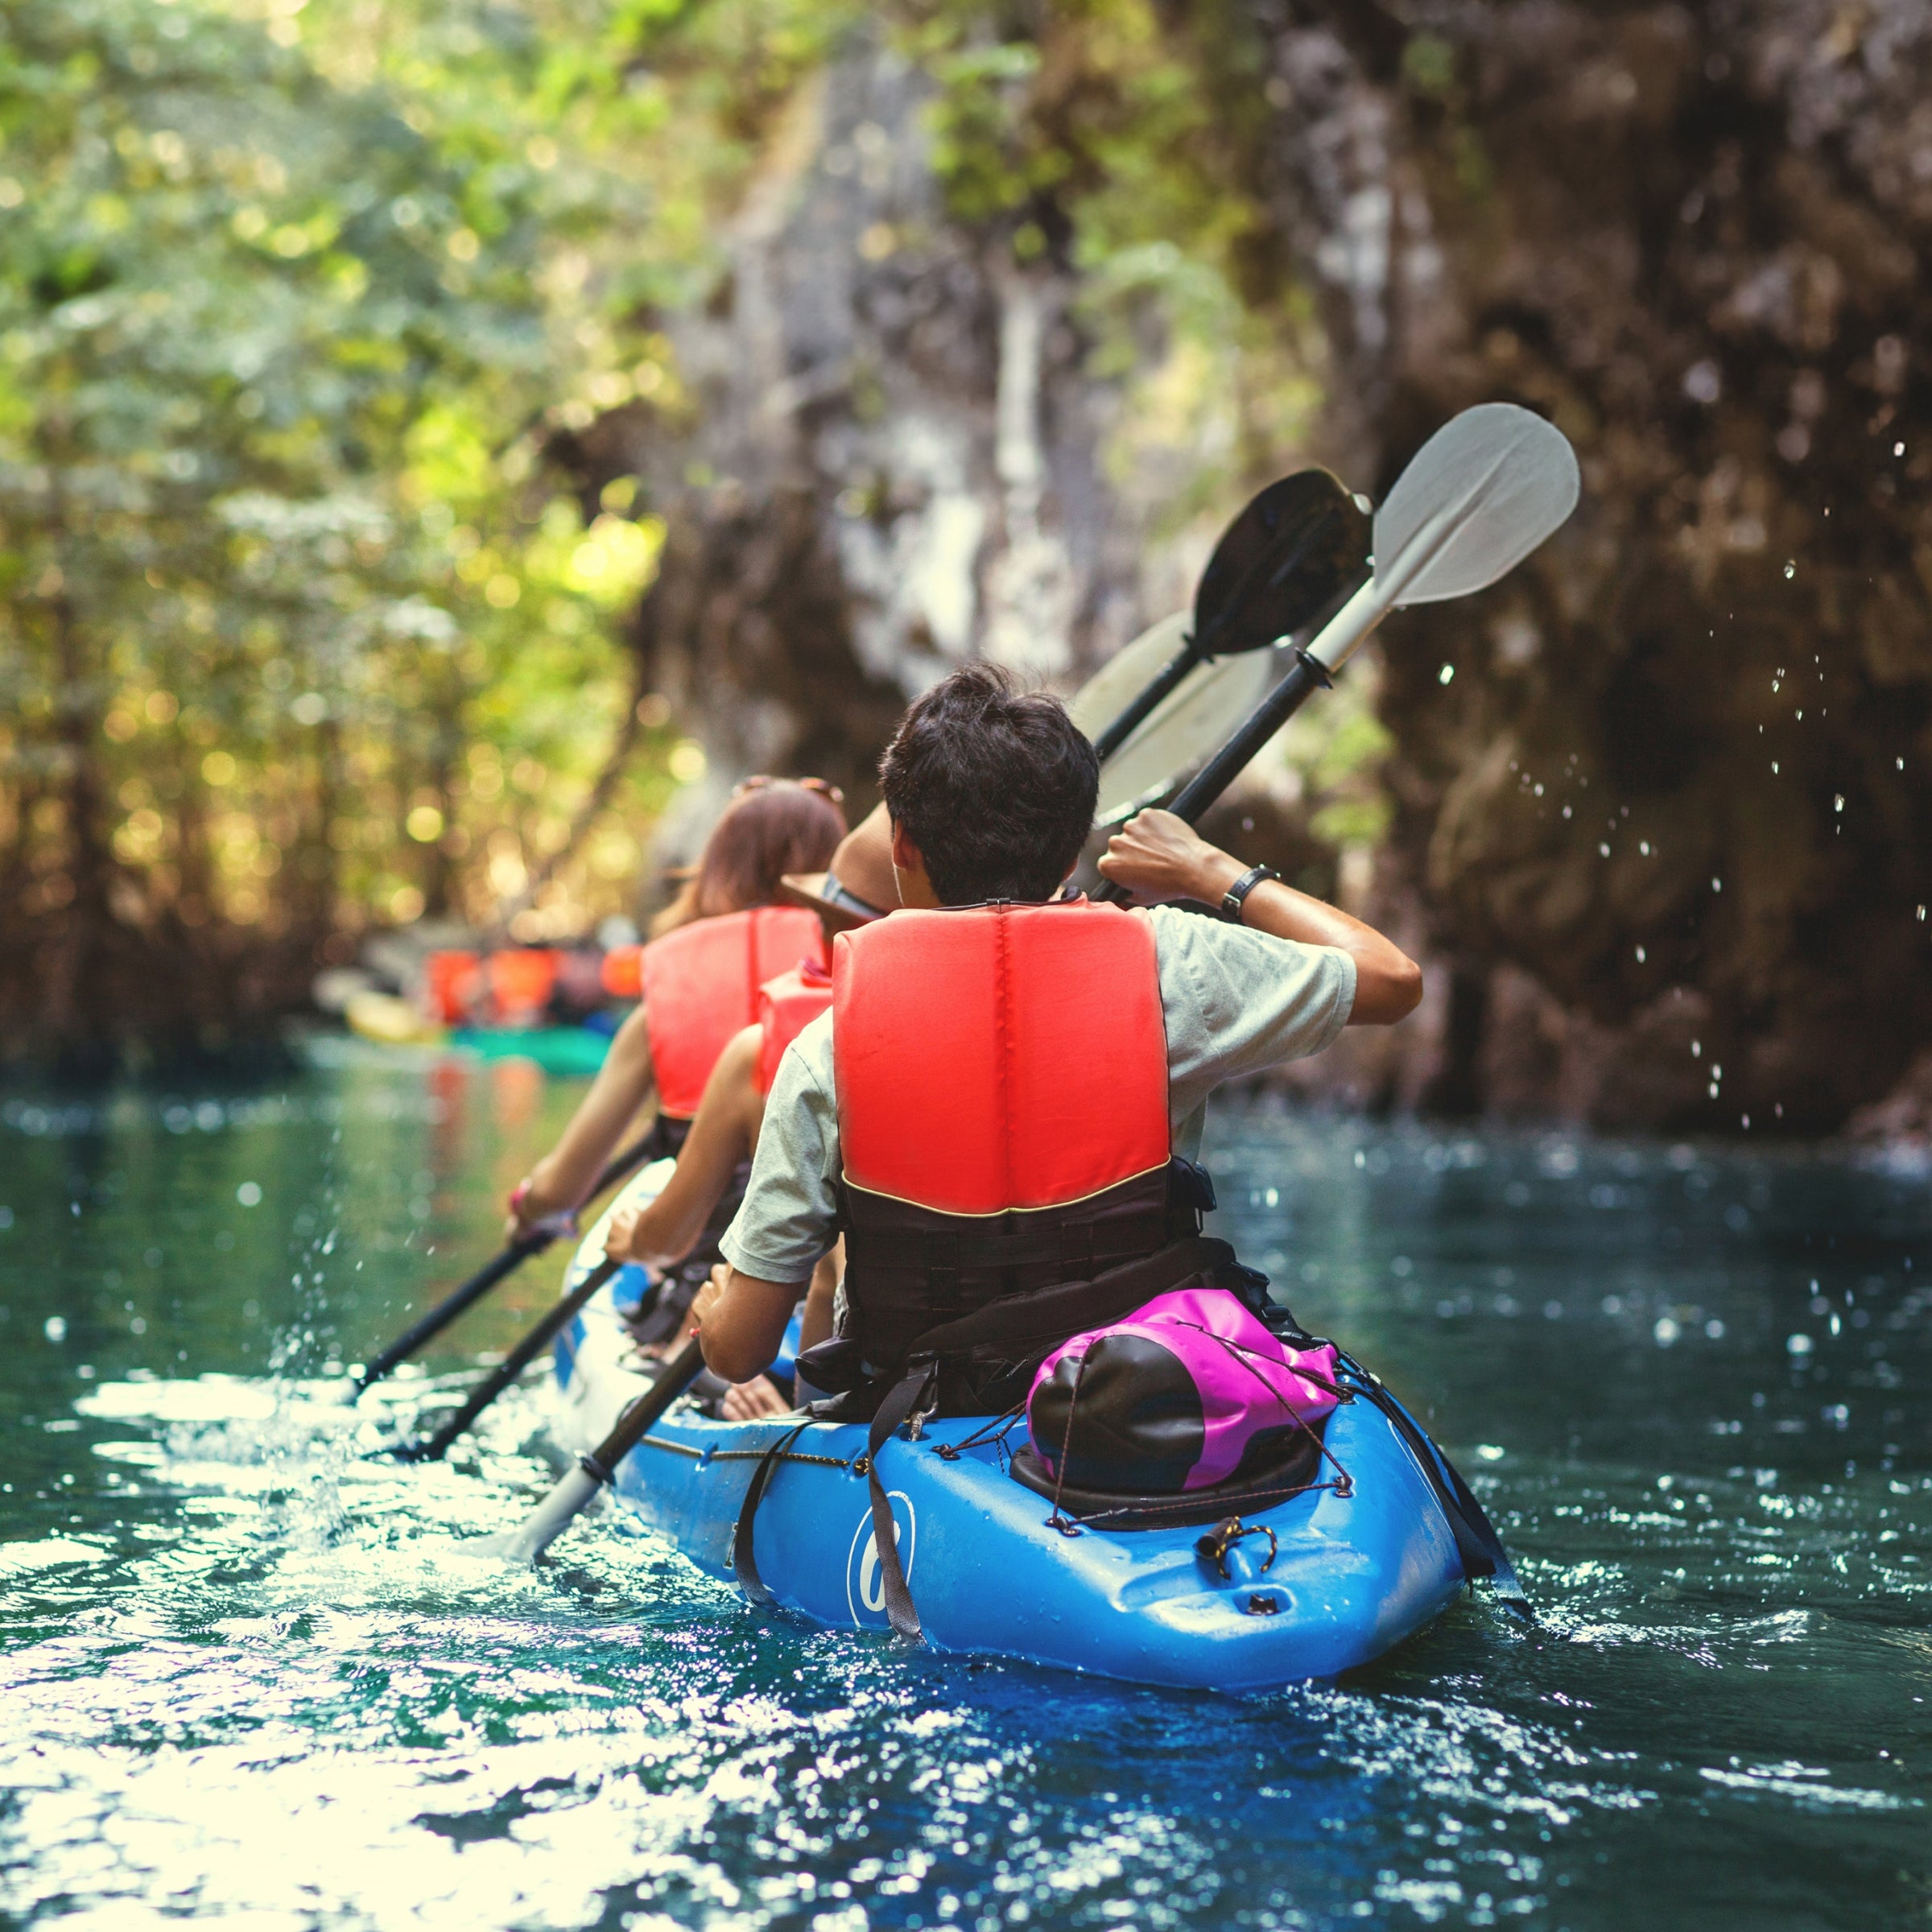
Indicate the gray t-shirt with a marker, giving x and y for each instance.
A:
(1234, 1002)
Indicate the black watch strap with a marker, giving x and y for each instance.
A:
(1236, 895)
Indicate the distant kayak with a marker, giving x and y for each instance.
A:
(1357, 1557)
(564, 1051)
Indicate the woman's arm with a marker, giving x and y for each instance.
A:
(560, 1182)
(723, 1133)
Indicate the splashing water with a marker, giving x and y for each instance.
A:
(250, 1670)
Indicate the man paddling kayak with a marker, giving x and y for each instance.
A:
(1002, 1107)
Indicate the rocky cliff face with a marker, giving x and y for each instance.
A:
(1660, 799)
(890, 458)
(1665, 829)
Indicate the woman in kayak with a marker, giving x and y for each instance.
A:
(662, 1232)
(710, 950)
(1009, 1107)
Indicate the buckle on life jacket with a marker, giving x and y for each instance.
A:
(1190, 1186)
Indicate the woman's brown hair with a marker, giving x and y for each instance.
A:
(772, 826)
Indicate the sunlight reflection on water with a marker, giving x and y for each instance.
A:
(249, 1669)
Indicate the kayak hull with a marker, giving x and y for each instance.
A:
(1355, 1569)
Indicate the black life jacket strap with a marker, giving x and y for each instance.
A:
(1477, 1543)
(1016, 1326)
(900, 1402)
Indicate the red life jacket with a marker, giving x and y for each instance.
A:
(700, 985)
(787, 1006)
(1002, 1101)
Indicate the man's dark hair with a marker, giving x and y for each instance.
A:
(995, 786)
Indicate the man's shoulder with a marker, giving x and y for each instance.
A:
(812, 1049)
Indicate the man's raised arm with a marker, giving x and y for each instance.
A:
(1162, 857)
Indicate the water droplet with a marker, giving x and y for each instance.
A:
(1791, 568)
(1838, 801)
(1640, 955)
(1697, 1050)
(1898, 449)
(249, 1193)
(1798, 1344)
(55, 1327)
(1447, 672)
(1717, 884)
(1665, 1332)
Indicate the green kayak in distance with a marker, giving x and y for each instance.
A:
(563, 1051)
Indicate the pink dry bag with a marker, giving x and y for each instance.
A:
(1189, 1390)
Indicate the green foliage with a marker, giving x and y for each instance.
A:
(301, 629)
(277, 340)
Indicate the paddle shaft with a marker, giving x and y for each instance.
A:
(1142, 707)
(540, 1334)
(1204, 789)
(512, 1258)
(551, 1516)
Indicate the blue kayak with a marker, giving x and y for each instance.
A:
(1324, 1581)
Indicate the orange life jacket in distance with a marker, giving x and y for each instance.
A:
(787, 1006)
(700, 985)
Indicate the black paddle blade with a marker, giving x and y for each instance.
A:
(1284, 560)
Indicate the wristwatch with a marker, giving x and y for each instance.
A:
(1236, 895)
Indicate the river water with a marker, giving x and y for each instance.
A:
(250, 1672)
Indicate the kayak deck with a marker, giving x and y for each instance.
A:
(1356, 1567)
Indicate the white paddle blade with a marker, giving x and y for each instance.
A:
(546, 1523)
(1193, 722)
(1476, 498)
(1125, 675)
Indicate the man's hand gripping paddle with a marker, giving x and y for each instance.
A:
(1477, 499)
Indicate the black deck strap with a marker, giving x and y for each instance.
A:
(742, 1560)
(900, 1402)
(1476, 1541)
(1050, 1314)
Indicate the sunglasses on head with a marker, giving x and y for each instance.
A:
(760, 780)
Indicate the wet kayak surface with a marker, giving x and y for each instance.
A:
(250, 1669)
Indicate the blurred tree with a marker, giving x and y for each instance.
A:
(294, 637)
